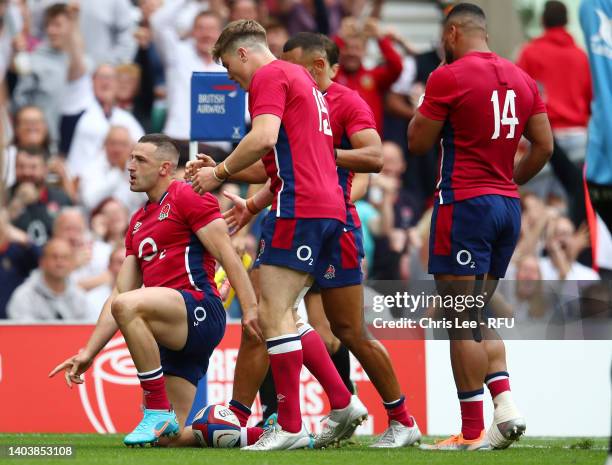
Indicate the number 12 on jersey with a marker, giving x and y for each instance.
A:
(508, 117)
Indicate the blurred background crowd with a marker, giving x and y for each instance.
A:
(81, 82)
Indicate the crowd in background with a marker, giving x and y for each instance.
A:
(81, 82)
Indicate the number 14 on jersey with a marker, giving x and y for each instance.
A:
(508, 115)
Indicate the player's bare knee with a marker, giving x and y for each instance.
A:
(123, 308)
(349, 336)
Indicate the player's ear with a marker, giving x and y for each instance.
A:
(454, 31)
(334, 70)
(319, 64)
(242, 53)
(166, 168)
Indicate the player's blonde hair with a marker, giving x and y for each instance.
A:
(243, 32)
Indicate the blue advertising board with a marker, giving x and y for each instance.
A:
(217, 108)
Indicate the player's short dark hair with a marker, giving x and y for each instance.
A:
(310, 42)
(55, 10)
(242, 30)
(554, 15)
(465, 9)
(164, 145)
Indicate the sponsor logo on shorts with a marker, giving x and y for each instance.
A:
(464, 257)
(199, 313)
(164, 213)
(330, 273)
(304, 254)
(280, 398)
(262, 247)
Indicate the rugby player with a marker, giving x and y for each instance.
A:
(358, 149)
(477, 106)
(291, 134)
(173, 323)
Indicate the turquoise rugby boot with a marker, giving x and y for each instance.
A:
(154, 425)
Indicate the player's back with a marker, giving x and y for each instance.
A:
(486, 102)
(349, 114)
(301, 166)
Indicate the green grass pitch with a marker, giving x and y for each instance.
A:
(94, 449)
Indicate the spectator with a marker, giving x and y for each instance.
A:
(567, 95)
(107, 27)
(109, 221)
(7, 34)
(90, 255)
(112, 161)
(181, 58)
(404, 213)
(45, 73)
(96, 297)
(372, 84)
(128, 80)
(31, 129)
(30, 132)
(277, 35)
(150, 101)
(322, 16)
(35, 202)
(403, 96)
(407, 208)
(563, 246)
(244, 9)
(91, 125)
(18, 257)
(49, 294)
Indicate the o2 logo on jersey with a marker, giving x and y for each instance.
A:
(147, 255)
(324, 125)
(508, 115)
(304, 254)
(464, 257)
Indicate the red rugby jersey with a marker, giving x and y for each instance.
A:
(162, 237)
(301, 166)
(485, 102)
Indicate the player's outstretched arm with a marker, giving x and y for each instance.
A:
(366, 155)
(260, 140)
(214, 236)
(244, 210)
(539, 133)
(423, 133)
(129, 278)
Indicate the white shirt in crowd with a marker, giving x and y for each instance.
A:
(180, 59)
(403, 85)
(107, 27)
(115, 183)
(578, 272)
(93, 125)
(100, 255)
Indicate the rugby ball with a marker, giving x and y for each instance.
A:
(216, 426)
